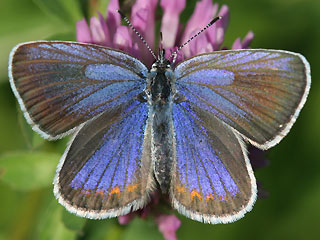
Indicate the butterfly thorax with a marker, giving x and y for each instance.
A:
(159, 85)
(160, 92)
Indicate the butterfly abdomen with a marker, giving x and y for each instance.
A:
(162, 144)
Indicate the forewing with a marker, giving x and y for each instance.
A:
(212, 179)
(106, 171)
(60, 85)
(259, 93)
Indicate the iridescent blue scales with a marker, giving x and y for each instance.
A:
(182, 128)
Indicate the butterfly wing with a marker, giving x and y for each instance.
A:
(106, 171)
(259, 93)
(212, 180)
(61, 85)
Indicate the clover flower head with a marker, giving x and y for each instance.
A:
(109, 31)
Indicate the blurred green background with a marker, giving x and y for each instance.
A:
(28, 209)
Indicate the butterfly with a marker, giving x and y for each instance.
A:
(181, 128)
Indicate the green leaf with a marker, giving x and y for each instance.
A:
(104, 230)
(52, 227)
(28, 170)
(67, 36)
(67, 11)
(31, 138)
(11, 137)
(142, 230)
(22, 21)
(98, 6)
(73, 222)
(84, 6)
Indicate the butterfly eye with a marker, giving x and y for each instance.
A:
(154, 66)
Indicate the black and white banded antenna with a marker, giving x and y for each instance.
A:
(136, 32)
(161, 49)
(174, 54)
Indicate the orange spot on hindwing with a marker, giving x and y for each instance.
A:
(181, 189)
(209, 197)
(132, 187)
(194, 193)
(116, 191)
(101, 193)
(91, 193)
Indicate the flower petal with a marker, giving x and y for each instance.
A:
(199, 45)
(237, 44)
(224, 13)
(113, 17)
(216, 32)
(126, 219)
(105, 30)
(143, 19)
(98, 35)
(202, 15)
(122, 40)
(247, 39)
(170, 20)
(180, 55)
(83, 31)
(168, 226)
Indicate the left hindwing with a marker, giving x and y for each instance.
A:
(106, 171)
(259, 93)
(212, 180)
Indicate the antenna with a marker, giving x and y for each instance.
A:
(196, 35)
(161, 50)
(136, 32)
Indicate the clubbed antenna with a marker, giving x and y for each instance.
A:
(174, 54)
(138, 34)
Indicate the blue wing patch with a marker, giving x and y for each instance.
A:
(107, 170)
(212, 180)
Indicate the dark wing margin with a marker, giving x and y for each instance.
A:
(60, 85)
(212, 179)
(259, 93)
(106, 171)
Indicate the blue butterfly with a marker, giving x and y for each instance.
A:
(181, 128)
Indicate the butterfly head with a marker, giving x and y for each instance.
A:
(161, 64)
